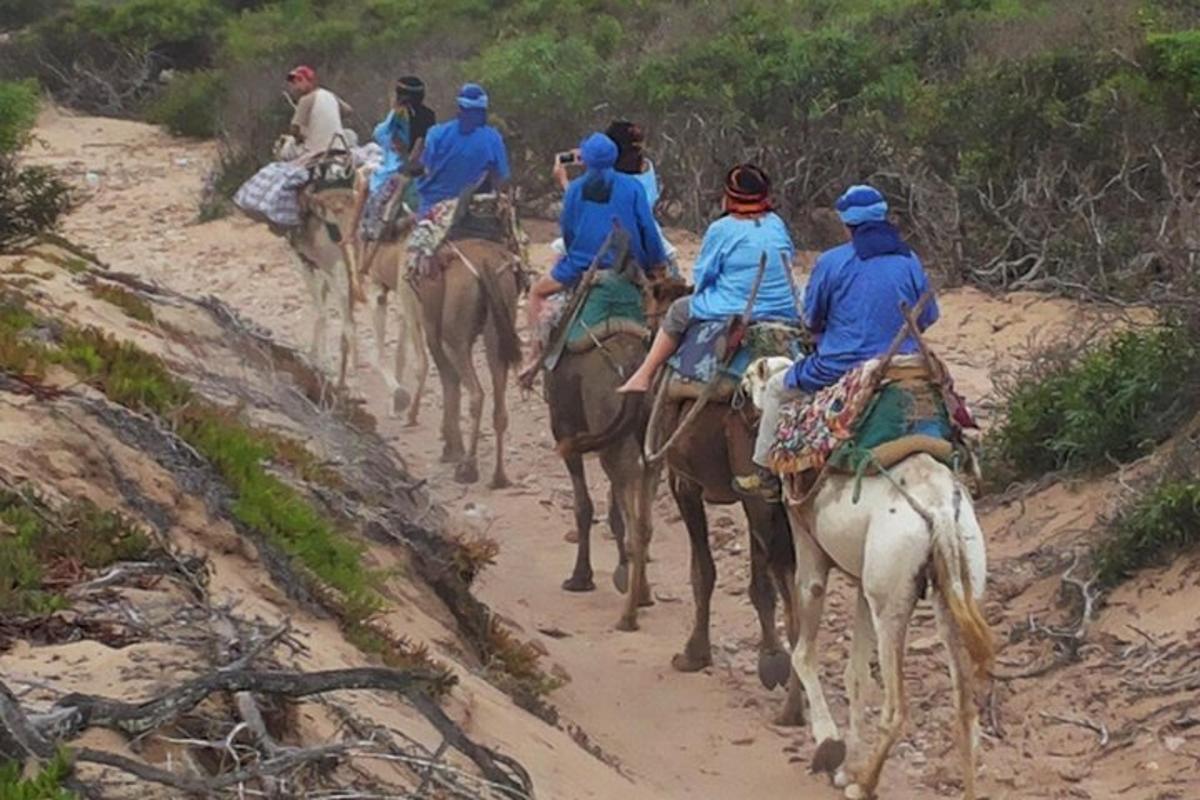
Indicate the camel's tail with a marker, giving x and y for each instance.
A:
(954, 582)
(626, 421)
(502, 318)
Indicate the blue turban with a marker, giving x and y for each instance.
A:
(861, 204)
(472, 95)
(472, 107)
(599, 152)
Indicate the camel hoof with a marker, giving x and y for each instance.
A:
(682, 662)
(500, 482)
(831, 754)
(774, 668)
(400, 401)
(856, 792)
(578, 584)
(411, 422)
(621, 578)
(791, 717)
(627, 624)
(466, 472)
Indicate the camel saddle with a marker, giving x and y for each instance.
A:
(613, 306)
(874, 418)
(694, 363)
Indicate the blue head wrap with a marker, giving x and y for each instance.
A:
(472, 107)
(861, 204)
(599, 155)
(599, 151)
(864, 210)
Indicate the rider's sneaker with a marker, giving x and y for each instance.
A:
(763, 484)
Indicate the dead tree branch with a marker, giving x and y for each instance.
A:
(138, 718)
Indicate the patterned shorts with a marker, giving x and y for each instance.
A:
(427, 236)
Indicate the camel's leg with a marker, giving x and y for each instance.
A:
(581, 577)
(459, 350)
(499, 371)
(812, 572)
(891, 606)
(857, 675)
(616, 522)
(626, 488)
(452, 446)
(349, 337)
(967, 732)
(774, 664)
(697, 653)
(314, 279)
(379, 328)
(379, 324)
(781, 556)
(412, 333)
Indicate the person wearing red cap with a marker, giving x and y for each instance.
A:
(317, 120)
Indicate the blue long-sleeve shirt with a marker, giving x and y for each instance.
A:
(853, 306)
(387, 134)
(454, 160)
(587, 218)
(728, 263)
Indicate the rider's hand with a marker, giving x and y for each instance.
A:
(414, 169)
(560, 175)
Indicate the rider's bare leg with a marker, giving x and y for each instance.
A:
(541, 289)
(663, 346)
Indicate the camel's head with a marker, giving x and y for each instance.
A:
(659, 291)
(760, 371)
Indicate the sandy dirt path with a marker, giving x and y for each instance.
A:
(707, 735)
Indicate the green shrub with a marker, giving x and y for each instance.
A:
(1163, 521)
(133, 306)
(18, 112)
(1175, 61)
(32, 200)
(1110, 402)
(186, 31)
(45, 785)
(191, 104)
(34, 536)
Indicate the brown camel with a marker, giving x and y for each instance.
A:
(474, 291)
(702, 463)
(587, 415)
(381, 263)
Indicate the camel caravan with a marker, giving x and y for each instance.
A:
(815, 405)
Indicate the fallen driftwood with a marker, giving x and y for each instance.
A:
(24, 736)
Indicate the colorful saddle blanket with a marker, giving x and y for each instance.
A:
(695, 359)
(874, 417)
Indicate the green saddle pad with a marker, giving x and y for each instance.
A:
(611, 297)
(898, 410)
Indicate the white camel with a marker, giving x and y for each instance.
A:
(912, 529)
(326, 261)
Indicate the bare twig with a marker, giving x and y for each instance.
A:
(1100, 729)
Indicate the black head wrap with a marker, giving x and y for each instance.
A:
(410, 89)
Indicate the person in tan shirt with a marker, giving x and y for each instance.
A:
(318, 116)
